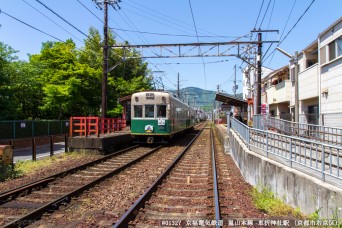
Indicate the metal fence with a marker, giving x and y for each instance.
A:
(316, 158)
(325, 134)
(15, 129)
(326, 119)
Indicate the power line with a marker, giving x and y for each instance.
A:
(174, 20)
(297, 22)
(98, 18)
(292, 27)
(142, 38)
(52, 20)
(288, 18)
(269, 2)
(193, 19)
(256, 22)
(1, 11)
(61, 18)
(90, 11)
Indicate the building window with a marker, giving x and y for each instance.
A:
(161, 111)
(339, 46)
(332, 52)
(323, 54)
(335, 48)
(149, 111)
(137, 111)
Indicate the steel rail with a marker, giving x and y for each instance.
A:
(130, 213)
(12, 193)
(34, 215)
(215, 182)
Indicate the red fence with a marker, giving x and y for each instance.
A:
(86, 126)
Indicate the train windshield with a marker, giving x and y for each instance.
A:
(161, 111)
(137, 111)
(149, 111)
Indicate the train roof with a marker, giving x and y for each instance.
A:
(160, 93)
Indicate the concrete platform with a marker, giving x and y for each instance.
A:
(103, 144)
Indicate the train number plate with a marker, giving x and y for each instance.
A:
(161, 121)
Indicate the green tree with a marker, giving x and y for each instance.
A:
(130, 74)
(26, 90)
(7, 57)
(67, 84)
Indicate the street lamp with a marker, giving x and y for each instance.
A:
(295, 59)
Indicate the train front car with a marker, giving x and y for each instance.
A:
(150, 117)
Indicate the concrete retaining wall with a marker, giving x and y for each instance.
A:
(99, 145)
(299, 190)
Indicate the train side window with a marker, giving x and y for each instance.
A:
(149, 111)
(161, 111)
(138, 111)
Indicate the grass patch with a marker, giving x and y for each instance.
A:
(265, 200)
(22, 168)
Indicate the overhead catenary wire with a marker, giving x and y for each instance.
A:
(204, 69)
(173, 21)
(178, 63)
(167, 34)
(126, 19)
(1, 11)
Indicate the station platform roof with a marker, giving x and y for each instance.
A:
(230, 100)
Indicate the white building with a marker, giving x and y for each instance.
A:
(320, 79)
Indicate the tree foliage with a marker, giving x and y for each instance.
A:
(63, 81)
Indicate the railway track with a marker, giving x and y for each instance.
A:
(183, 195)
(24, 205)
(234, 196)
(106, 202)
(174, 186)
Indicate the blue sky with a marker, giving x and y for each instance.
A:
(215, 18)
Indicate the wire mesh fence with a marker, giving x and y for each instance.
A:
(17, 129)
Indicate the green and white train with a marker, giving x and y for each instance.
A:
(157, 116)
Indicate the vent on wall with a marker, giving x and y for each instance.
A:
(324, 91)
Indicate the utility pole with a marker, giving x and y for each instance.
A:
(258, 92)
(105, 62)
(105, 52)
(178, 87)
(234, 81)
(259, 69)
